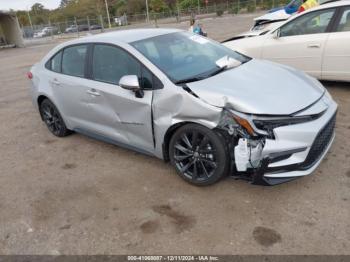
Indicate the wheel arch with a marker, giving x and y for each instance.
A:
(39, 100)
(169, 134)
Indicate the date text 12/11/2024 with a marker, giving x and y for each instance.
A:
(173, 258)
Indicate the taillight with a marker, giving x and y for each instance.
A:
(29, 75)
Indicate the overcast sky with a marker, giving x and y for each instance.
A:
(24, 4)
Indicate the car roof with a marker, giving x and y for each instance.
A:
(331, 4)
(338, 3)
(124, 36)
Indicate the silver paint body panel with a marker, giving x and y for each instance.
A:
(114, 113)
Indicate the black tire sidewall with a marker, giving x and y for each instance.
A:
(64, 131)
(218, 142)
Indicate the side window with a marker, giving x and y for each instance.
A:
(344, 24)
(146, 80)
(310, 23)
(73, 60)
(56, 63)
(110, 63)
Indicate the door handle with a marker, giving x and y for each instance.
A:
(55, 82)
(314, 45)
(93, 92)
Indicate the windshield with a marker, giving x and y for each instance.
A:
(185, 56)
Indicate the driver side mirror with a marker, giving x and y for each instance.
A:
(276, 34)
(130, 82)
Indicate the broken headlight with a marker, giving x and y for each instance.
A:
(269, 124)
(237, 122)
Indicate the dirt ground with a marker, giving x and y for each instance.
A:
(80, 196)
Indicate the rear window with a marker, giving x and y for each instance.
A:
(56, 63)
(73, 60)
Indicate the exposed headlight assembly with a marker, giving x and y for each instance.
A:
(237, 122)
(270, 123)
(254, 126)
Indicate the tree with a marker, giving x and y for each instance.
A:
(171, 4)
(191, 3)
(120, 5)
(64, 3)
(136, 6)
(37, 8)
(22, 18)
(83, 8)
(158, 5)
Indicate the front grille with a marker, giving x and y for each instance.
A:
(320, 144)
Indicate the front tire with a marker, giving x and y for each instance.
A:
(199, 155)
(53, 119)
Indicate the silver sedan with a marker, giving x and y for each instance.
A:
(189, 100)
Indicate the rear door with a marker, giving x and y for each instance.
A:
(336, 61)
(114, 112)
(68, 84)
(301, 42)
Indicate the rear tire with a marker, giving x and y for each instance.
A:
(199, 155)
(53, 119)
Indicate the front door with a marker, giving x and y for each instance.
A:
(336, 61)
(301, 42)
(114, 112)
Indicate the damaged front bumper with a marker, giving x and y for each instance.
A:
(296, 150)
(265, 175)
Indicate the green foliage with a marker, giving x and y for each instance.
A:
(83, 8)
(267, 4)
(64, 3)
(186, 4)
(171, 4)
(158, 6)
(251, 8)
(120, 7)
(37, 8)
(80, 9)
(234, 10)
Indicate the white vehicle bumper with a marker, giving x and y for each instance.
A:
(298, 149)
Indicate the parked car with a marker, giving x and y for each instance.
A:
(121, 21)
(46, 31)
(285, 12)
(83, 28)
(182, 97)
(75, 29)
(252, 33)
(28, 32)
(72, 29)
(95, 27)
(38, 34)
(316, 41)
(273, 19)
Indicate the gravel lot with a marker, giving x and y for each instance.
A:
(80, 196)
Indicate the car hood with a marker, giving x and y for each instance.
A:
(260, 87)
(256, 32)
(277, 15)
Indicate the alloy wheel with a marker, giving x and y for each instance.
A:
(195, 156)
(52, 119)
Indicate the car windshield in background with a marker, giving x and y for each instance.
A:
(185, 57)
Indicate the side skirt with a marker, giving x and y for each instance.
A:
(112, 141)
